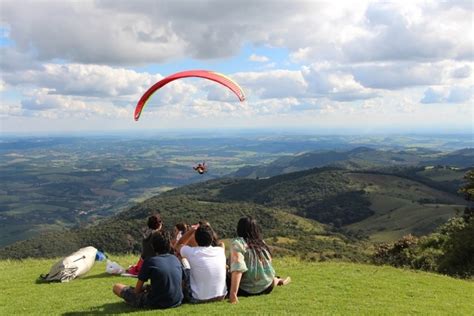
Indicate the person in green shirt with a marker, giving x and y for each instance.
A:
(251, 267)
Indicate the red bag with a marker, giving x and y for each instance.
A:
(135, 269)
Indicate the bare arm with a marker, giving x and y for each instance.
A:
(139, 287)
(234, 287)
(187, 237)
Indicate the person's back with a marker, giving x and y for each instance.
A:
(165, 273)
(251, 267)
(208, 271)
(259, 272)
(208, 267)
(155, 225)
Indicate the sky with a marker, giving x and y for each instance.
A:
(354, 66)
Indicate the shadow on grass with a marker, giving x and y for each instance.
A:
(103, 275)
(39, 280)
(107, 309)
(99, 276)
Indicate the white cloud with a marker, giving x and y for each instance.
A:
(324, 80)
(432, 95)
(12, 60)
(124, 32)
(87, 33)
(86, 80)
(10, 110)
(359, 59)
(43, 104)
(397, 75)
(258, 58)
(459, 94)
(455, 94)
(272, 83)
(462, 72)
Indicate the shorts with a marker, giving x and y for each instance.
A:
(132, 298)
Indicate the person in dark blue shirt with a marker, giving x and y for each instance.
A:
(165, 273)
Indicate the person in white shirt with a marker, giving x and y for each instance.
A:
(207, 274)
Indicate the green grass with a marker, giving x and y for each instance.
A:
(317, 288)
(408, 219)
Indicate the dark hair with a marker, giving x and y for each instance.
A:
(161, 242)
(154, 221)
(248, 229)
(182, 227)
(215, 240)
(204, 235)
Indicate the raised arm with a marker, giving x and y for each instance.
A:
(187, 238)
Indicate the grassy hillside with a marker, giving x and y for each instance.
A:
(402, 206)
(316, 288)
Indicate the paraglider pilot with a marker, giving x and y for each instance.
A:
(201, 168)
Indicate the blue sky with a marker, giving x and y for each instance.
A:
(365, 66)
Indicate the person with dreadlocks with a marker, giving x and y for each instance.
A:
(251, 263)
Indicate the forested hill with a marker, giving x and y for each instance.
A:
(360, 158)
(326, 194)
(286, 232)
(289, 207)
(341, 197)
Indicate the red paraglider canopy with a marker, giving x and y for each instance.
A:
(214, 76)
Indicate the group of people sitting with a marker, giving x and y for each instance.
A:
(190, 265)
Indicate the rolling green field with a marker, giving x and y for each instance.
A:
(330, 288)
(402, 207)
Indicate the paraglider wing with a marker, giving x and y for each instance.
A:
(210, 75)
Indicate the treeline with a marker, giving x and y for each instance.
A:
(123, 232)
(449, 250)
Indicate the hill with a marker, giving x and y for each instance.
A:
(122, 233)
(360, 158)
(384, 206)
(290, 207)
(316, 288)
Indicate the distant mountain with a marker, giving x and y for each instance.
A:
(463, 158)
(359, 158)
